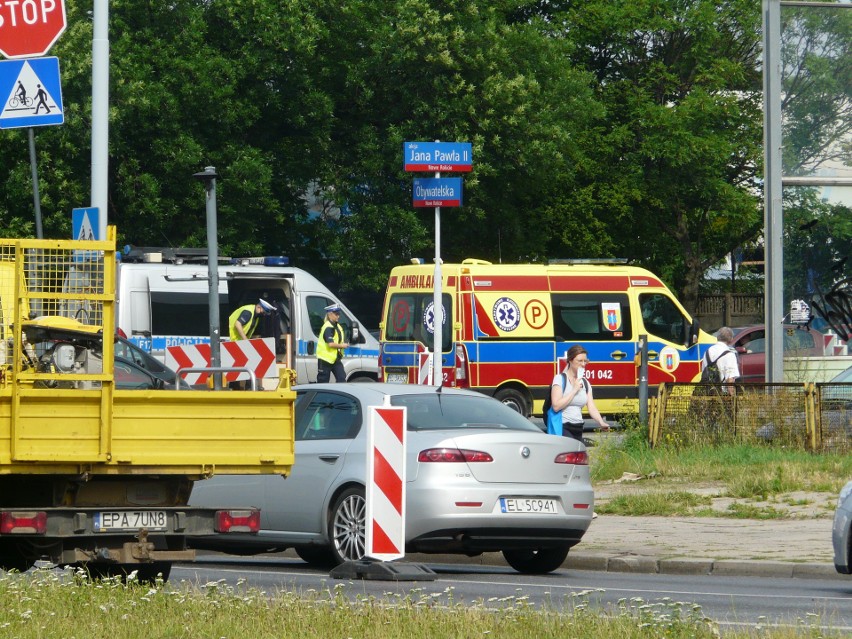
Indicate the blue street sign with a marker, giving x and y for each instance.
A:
(85, 225)
(437, 156)
(30, 92)
(437, 192)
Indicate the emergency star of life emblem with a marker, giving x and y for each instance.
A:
(506, 314)
(429, 317)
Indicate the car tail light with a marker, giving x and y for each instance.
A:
(453, 455)
(23, 523)
(578, 458)
(237, 521)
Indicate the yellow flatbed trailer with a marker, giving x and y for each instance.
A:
(94, 475)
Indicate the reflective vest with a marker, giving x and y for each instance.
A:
(248, 330)
(325, 352)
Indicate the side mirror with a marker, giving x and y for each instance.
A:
(693, 333)
(312, 347)
(356, 337)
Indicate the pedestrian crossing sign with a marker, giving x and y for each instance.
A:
(31, 93)
(85, 223)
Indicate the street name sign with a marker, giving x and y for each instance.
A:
(434, 157)
(437, 192)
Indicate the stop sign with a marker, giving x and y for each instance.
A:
(28, 28)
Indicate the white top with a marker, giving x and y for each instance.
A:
(728, 363)
(573, 413)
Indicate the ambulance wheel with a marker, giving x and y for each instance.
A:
(514, 399)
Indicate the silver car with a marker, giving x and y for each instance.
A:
(840, 532)
(480, 478)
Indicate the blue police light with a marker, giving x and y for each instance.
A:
(276, 260)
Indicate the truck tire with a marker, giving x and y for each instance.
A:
(514, 399)
(536, 561)
(347, 526)
(14, 562)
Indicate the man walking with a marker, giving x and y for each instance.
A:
(724, 357)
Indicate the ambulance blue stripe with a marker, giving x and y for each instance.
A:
(514, 352)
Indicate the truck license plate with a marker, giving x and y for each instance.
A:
(130, 520)
(527, 505)
(397, 378)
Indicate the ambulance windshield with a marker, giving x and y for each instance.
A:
(663, 319)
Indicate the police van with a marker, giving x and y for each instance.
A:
(506, 329)
(163, 300)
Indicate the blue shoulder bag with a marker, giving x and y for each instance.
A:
(551, 417)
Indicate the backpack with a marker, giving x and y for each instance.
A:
(547, 400)
(711, 373)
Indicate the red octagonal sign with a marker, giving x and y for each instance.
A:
(28, 28)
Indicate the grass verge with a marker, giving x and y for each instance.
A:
(743, 471)
(47, 604)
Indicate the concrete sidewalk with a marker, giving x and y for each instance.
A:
(693, 546)
(707, 545)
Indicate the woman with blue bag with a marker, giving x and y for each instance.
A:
(570, 391)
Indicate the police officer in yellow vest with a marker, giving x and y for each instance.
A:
(243, 322)
(330, 347)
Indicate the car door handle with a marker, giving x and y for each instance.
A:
(653, 354)
(618, 355)
(329, 458)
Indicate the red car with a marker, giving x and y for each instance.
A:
(750, 342)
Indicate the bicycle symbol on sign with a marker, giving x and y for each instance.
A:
(19, 99)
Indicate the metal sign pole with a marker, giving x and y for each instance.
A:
(437, 308)
(34, 171)
(208, 176)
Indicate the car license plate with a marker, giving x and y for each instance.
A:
(130, 520)
(528, 505)
(397, 378)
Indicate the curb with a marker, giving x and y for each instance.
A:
(653, 565)
(613, 563)
(700, 566)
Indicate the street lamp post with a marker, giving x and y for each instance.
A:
(208, 176)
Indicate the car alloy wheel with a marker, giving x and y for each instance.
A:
(347, 525)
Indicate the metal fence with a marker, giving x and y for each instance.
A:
(815, 417)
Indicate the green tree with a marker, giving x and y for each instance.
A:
(817, 244)
(675, 157)
(451, 71)
(816, 49)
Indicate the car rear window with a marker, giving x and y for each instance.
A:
(435, 411)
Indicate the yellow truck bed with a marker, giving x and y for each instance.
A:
(193, 433)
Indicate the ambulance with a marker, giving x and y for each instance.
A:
(506, 329)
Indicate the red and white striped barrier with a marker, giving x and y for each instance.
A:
(257, 355)
(424, 369)
(386, 483)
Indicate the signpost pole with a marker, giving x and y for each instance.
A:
(438, 334)
(437, 156)
(100, 113)
(36, 196)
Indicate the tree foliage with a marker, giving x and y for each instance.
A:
(599, 129)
